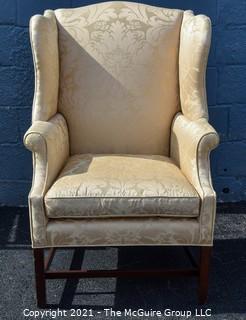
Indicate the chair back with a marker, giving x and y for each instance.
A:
(119, 87)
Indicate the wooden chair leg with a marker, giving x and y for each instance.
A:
(40, 277)
(39, 262)
(205, 256)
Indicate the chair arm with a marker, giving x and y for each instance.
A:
(191, 143)
(49, 143)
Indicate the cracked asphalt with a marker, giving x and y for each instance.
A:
(227, 290)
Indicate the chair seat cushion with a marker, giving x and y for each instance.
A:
(99, 185)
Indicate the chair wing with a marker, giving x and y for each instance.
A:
(195, 38)
(44, 42)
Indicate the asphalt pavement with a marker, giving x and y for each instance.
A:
(227, 289)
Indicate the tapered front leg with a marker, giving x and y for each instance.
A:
(40, 277)
(205, 257)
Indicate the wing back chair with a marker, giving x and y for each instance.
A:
(120, 135)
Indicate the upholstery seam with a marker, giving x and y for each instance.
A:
(148, 197)
(110, 216)
(35, 68)
(210, 244)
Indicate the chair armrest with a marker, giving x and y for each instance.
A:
(49, 143)
(191, 143)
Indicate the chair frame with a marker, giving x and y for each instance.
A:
(43, 272)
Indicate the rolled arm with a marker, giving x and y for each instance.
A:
(49, 143)
(191, 143)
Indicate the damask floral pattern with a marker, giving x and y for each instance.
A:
(44, 36)
(195, 34)
(119, 59)
(121, 186)
(191, 144)
(48, 141)
(119, 232)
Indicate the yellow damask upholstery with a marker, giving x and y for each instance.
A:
(196, 34)
(50, 146)
(122, 232)
(121, 186)
(44, 36)
(120, 135)
(129, 53)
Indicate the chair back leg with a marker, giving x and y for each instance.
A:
(205, 256)
(40, 277)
